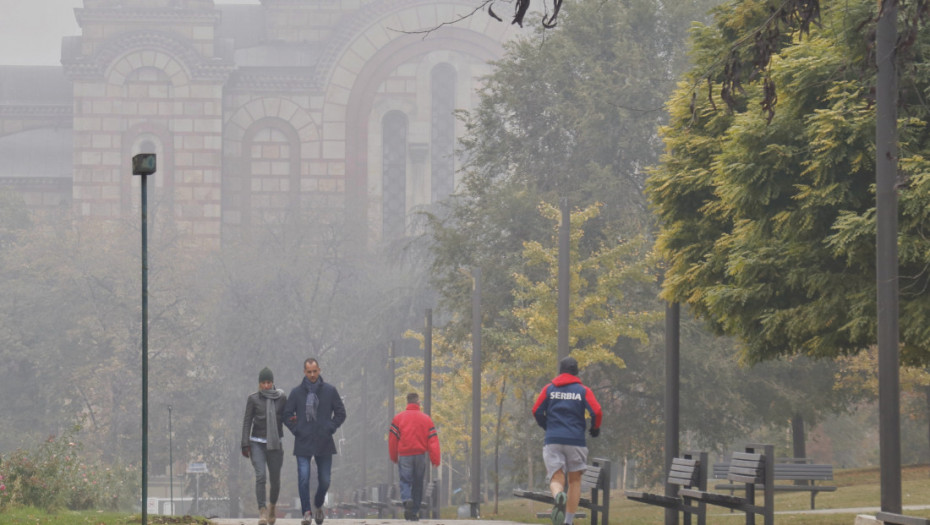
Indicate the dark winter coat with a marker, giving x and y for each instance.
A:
(314, 438)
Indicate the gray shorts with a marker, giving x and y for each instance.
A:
(569, 458)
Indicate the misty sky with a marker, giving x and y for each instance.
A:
(31, 30)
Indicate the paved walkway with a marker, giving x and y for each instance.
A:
(361, 521)
(387, 521)
(855, 510)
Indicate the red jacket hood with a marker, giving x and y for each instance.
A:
(565, 379)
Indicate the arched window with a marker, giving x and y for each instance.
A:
(394, 175)
(442, 131)
(270, 186)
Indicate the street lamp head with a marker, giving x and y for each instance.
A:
(143, 164)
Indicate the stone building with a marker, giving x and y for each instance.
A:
(337, 110)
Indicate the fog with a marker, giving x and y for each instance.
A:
(312, 200)
(243, 272)
(31, 32)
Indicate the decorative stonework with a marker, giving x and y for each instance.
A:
(242, 143)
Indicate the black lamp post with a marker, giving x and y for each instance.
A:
(476, 394)
(143, 165)
(170, 463)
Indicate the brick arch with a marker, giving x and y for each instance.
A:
(364, 28)
(161, 50)
(359, 100)
(245, 116)
(120, 70)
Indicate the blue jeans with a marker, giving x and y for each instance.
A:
(273, 459)
(324, 466)
(411, 471)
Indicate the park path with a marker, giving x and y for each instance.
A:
(387, 521)
(361, 521)
(855, 510)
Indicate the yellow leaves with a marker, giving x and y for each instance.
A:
(598, 316)
(859, 373)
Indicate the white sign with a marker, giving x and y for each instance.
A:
(198, 467)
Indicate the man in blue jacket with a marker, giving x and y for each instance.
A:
(560, 410)
(313, 412)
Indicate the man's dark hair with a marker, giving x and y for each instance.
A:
(568, 365)
(311, 360)
(413, 397)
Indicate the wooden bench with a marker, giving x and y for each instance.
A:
(752, 468)
(377, 499)
(428, 503)
(596, 479)
(352, 507)
(900, 519)
(800, 471)
(687, 471)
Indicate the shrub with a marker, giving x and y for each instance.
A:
(53, 476)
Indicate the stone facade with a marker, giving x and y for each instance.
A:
(337, 110)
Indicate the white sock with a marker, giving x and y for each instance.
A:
(569, 517)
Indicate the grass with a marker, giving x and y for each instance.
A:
(856, 488)
(32, 516)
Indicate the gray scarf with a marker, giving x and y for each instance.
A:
(271, 417)
(313, 401)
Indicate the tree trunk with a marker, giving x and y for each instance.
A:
(232, 481)
(497, 447)
(797, 440)
(797, 436)
(927, 392)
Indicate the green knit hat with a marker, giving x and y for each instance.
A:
(265, 375)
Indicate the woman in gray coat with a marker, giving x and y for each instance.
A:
(262, 430)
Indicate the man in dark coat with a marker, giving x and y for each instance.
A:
(313, 412)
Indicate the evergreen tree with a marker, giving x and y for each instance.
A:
(768, 220)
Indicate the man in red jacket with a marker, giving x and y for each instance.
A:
(412, 435)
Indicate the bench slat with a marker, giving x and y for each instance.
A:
(778, 488)
(681, 480)
(899, 519)
(654, 499)
(724, 500)
(787, 470)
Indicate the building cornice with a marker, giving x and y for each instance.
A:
(265, 80)
(202, 68)
(107, 15)
(36, 111)
(61, 182)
